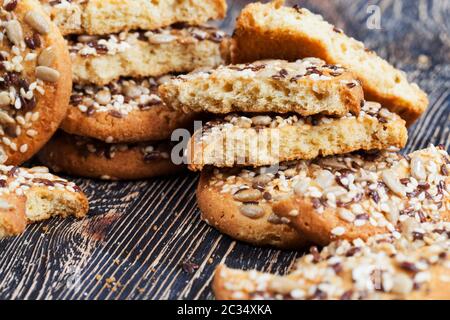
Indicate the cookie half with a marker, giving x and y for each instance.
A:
(123, 111)
(306, 87)
(268, 31)
(229, 203)
(268, 139)
(384, 268)
(35, 80)
(179, 48)
(84, 157)
(108, 16)
(357, 196)
(31, 195)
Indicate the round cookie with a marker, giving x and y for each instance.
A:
(126, 110)
(35, 80)
(91, 158)
(251, 219)
(413, 266)
(356, 196)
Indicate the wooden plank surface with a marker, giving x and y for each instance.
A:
(145, 240)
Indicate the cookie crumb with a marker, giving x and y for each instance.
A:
(189, 266)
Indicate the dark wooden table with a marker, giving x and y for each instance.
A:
(139, 236)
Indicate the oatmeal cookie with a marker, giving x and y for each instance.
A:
(236, 206)
(31, 195)
(306, 87)
(385, 267)
(269, 139)
(272, 31)
(124, 111)
(179, 48)
(35, 80)
(84, 157)
(356, 196)
(108, 16)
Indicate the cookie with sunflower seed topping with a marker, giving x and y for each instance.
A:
(413, 266)
(35, 80)
(91, 158)
(124, 111)
(31, 195)
(305, 87)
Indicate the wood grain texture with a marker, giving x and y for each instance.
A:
(137, 234)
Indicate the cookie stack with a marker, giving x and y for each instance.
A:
(299, 157)
(297, 154)
(285, 111)
(382, 217)
(117, 127)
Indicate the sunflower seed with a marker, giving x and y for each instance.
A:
(47, 74)
(247, 195)
(262, 179)
(38, 22)
(14, 32)
(6, 118)
(47, 57)
(391, 180)
(252, 211)
(418, 169)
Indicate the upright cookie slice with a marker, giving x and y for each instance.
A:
(412, 267)
(35, 80)
(267, 140)
(108, 16)
(238, 204)
(353, 196)
(124, 111)
(306, 87)
(268, 31)
(85, 157)
(30, 195)
(179, 48)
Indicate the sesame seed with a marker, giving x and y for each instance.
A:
(31, 132)
(6, 141)
(338, 231)
(346, 215)
(293, 213)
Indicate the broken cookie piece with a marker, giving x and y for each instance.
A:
(31, 195)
